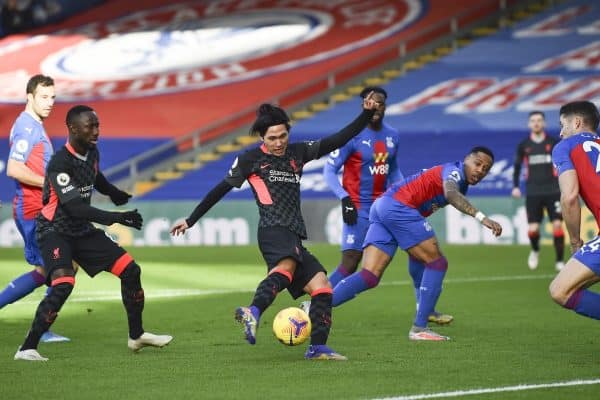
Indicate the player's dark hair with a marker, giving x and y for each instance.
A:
(482, 149)
(268, 115)
(365, 92)
(74, 113)
(537, 112)
(584, 109)
(39, 79)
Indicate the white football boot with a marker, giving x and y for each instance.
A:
(148, 339)
(29, 355)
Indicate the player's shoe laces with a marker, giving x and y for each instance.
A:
(29, 355)
(559, 265)
(440, 318)
(51, 337)
(425, 334)
(533, 259)
(322, 352)
(244, 316)
(305, 306)
(148, 339)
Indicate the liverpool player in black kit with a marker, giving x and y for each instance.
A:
(274, 170)
(64, 233)
(541, 186)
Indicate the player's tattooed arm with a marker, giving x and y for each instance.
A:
(457, 199)
(460, 202)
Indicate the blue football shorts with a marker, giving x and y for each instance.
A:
(353, 236)
(32, 252)
(394, 224)
(589, 255)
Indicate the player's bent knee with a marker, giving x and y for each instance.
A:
(558, 294)
(62, 273)
(61, 289)
(131, 272)
(121, 264)
(322, 291)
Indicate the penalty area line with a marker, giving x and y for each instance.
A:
(517, 388)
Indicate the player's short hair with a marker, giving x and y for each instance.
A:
(268, 115)
(482, 149)
(537, 112)
(365, 92)
(38, 80)
(74, 113)
(585, 109)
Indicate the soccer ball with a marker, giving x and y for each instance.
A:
(291, 326)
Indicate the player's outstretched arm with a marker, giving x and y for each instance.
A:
(337, 140)
(211, 198)
(462, 204)
(571, 209)
(78, 208)
(117, 196)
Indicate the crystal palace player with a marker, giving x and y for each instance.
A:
(370, 162)
(397, 219)
(577, 159)
(542, 187)
(30, 151)
(274, 170)
(64, 233)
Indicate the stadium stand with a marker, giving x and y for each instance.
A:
(151, 100)
(477, 95)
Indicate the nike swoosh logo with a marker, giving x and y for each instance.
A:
(264, 166)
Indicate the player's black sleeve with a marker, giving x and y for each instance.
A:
(337, 140)
(77, 207)
(117, 196)
(517, 166)
(103, 185)
(208, 201)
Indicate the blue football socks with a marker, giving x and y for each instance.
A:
(431, 287)
(337, 275)
(416, 269)
(21, 287)
(356, 283)
(586, 303)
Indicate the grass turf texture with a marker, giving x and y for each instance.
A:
(506, 332)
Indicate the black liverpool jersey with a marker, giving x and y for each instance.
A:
(540, 177)
(69, 175)
(275, 182)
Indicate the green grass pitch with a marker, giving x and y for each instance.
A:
(506, 332)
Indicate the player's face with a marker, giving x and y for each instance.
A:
(379, 109)
(477, 166)
(568, 126)
(42, 100)
(276, 139)
(536, 124)
(87, 130)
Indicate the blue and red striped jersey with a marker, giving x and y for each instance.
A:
(581, 153)
(30, 145)
(370, 162)
(424, 191)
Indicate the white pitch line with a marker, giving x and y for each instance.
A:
(107, 295)
(516, 388)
